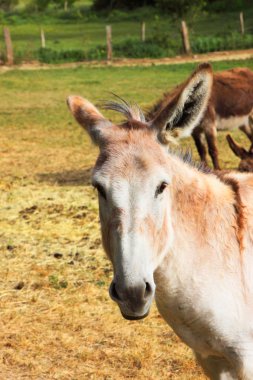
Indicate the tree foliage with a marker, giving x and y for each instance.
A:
(120, 4)
(180, 7)
(177, 7)
(7, 5)
(224, 5)
(41, 5)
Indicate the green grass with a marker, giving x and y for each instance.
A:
(32, 92)
(36, 99)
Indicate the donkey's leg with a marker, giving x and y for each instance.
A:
(248, 131)
(212, 145)
(217, 368)
(209, 125)
(198, 135)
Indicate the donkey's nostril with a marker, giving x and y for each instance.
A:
(148, 290)
(113, 291)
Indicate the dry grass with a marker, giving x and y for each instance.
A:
(56, 318)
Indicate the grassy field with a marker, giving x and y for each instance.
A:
(56, 318)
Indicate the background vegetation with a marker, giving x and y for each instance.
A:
(75, 30)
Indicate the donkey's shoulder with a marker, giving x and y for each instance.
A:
(244, 185)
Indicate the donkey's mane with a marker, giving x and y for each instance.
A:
(131, 111)
(185, 155)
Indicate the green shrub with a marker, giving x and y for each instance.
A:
(126, 49)
(71, 14)
(137, 49)
(231, 41)
(157, 46)
(96, 53)
(166, 40)
(47, 55)
(138, 14)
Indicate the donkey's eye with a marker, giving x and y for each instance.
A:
(160, 189)
(101, 190)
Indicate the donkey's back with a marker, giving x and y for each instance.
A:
(232, 94)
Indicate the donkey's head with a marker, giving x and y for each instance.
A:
(246, 163)
(133, 178)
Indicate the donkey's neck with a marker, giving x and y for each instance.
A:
(205, 258)
(203, 213)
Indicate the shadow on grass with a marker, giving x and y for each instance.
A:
(67, 177)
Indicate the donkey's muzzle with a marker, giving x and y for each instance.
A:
(135, 318)
(134, 301)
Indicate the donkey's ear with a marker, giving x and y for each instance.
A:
(186, 108)
(88, 116)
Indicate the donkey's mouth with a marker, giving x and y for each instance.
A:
(135, 317)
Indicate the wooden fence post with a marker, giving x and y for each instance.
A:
(185, 38)
(8, 44)
(242, 22)
(43, 39)
(143, 31)
(109, 42)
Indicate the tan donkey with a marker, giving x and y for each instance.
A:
(175, 233)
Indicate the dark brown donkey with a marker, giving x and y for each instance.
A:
(229, 107)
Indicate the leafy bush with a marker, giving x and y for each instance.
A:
(138, 14)
(126, 49)
(71, 14)
(96, 53)
(137, 49)
(159, 45)
(232, 41)
(168, 41)
(47, 55)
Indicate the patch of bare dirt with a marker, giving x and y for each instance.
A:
(213, 57)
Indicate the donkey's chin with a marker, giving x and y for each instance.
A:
(134, 317)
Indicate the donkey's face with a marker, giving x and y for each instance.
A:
(133, 185)
(134, 182)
